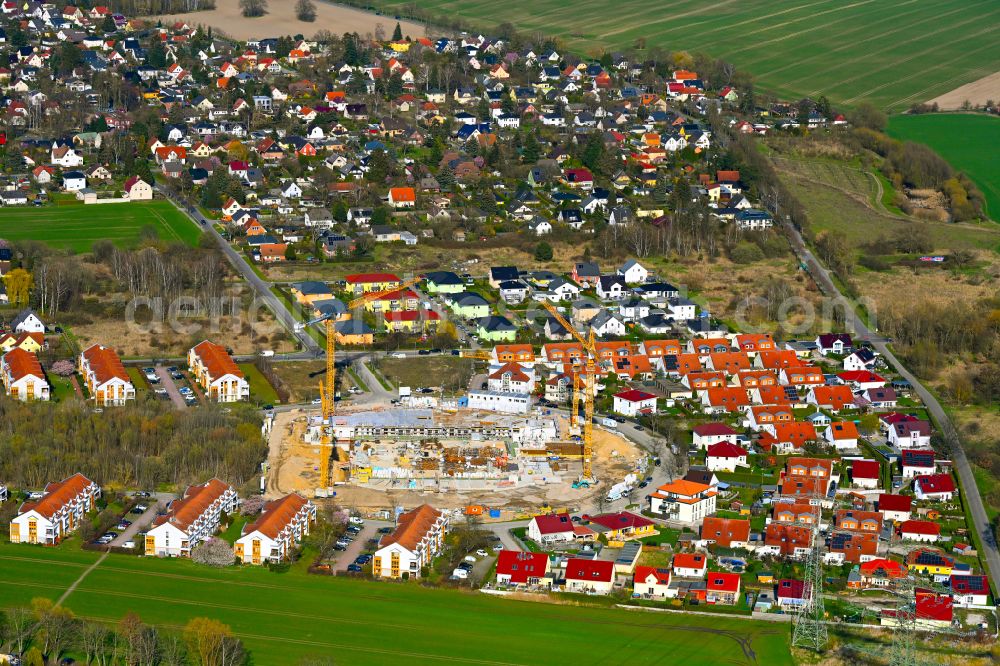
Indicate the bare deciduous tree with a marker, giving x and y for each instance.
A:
(253, 8)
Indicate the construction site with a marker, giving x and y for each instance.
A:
(384, 456)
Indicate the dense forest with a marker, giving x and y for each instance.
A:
(143, 445)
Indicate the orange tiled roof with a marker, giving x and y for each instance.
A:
(58, 495)
(105, 363)
(277, 515)
(216, 360)
(412, 526)
(23, 363)
(196, 500)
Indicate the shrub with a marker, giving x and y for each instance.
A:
(746, 253)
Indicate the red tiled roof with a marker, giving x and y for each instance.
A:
(726, 450)
(791, 589)
(724, 531)
(690, 561)
(887, 502)
(865, 469)
(926, 527)
(723, 582)
(713, 429)
(935, 483)
(369, 278)
(602, 570)
(935, 607)
(521, 566)
(411, 315)
(635, 395)
(621, 520)
(554, 523)
(642, 574)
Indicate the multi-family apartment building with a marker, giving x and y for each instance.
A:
(191, 519)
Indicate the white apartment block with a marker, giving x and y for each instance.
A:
(191, 519)
(59, 511)
(417, 538)
(217, 373)
(284, 523)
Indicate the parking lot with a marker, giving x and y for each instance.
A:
(174, 383)
(154, 504)
(359, 544)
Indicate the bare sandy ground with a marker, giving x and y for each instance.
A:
(281, 20)
(976, 93)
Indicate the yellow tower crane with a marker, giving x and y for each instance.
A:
(327, 385)
(588, 382)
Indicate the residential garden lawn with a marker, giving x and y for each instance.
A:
(285, 617)
(892, 52)
(960, 138)
(260, 389)
(77, 227)
(61, 388)
(235, 529)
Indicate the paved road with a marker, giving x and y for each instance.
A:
(991, 554)
(156, 504)
(167, 382)
(260, 286)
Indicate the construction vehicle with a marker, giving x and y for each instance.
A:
(327, 385)
(587, 383)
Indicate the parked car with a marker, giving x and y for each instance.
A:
(139, 508)
(470, 558)
(354, 568)
(124, 524)
(424, 352)
(385, 530)
(482, 552)
(355, 520)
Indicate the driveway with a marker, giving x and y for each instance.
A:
(167, 382)
(157, 503)
(502, 531)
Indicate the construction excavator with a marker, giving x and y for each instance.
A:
(585, 381)
(327, 385)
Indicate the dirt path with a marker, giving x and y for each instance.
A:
(76, 583)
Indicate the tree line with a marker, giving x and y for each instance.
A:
(44, 632)
(141, 445)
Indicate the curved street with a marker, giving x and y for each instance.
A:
(854, 324)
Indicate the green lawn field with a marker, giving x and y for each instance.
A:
(892, 52)
(77, 227)
(284, 617)
(967, 140)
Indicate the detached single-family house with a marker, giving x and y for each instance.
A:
(590, 576)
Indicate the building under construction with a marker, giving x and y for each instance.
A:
(456, 449)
